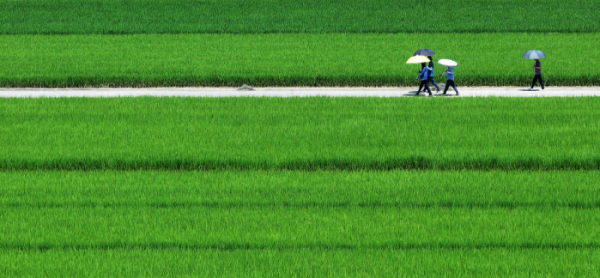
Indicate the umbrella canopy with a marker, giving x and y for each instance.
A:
(534, 54)
(417, 59)
(424, 52)
(448, 63)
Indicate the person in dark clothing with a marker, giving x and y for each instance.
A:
(424, 76)
(450, 80)
(538, 74)
(432, 74)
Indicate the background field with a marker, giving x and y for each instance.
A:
(292, 43)
(312, 16)
(289, 59)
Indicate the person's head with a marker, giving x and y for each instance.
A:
(422, 65)
(430, 59)
(537, 60)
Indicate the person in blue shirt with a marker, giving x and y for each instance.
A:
(424, 76)
(450, 80)
(538, 74)
(432, 73)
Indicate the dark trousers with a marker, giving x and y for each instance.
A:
(430, 79)
(536, 78)
(424, 83)
(448, 84)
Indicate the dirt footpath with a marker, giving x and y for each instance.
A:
(297, 92)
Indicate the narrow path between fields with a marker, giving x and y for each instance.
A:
(296, 92)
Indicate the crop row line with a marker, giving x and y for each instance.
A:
(336, 246)
(401, 163)
(446, 205)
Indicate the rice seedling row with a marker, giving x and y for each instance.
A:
(278, 189)
(280, 223)
(299, 133)
(432, 262)
(289, 227)
(487, 59)
(319, 16)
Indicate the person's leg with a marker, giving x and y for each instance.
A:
(447, 85)
(420, 87)
(541, 81)
(450, 83)
(432, 80)
(427, 87)
(535, 78)
(454, 86)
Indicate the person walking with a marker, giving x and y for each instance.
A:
(538, 74)
(432, 74)
(449, 80)
(424, 75)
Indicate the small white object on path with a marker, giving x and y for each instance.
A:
(295, 92)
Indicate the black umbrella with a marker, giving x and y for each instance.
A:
(424, 52)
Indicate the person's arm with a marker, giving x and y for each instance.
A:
(446, 72)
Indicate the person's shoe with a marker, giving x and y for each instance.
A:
(457, 94)
(530, 89)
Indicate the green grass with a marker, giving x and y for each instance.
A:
(299, 133)
(290, 59)
(256, 189)
(302, 263)
(313, 16)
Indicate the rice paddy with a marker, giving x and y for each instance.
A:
(300, 134)
(297, 187)
(289, 59)
(61, 17)
(162, 223)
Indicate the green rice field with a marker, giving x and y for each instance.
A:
(264, 223)
(289, 59)
(277, 187)
(297, 187)
(311, 16)
(148, 43)
(299, 133)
